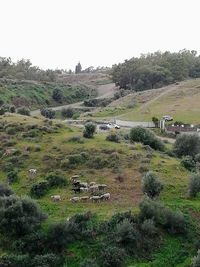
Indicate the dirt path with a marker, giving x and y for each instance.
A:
(104, 91)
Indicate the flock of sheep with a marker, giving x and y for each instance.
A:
(85, 187)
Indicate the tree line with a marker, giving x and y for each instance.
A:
(155, 70)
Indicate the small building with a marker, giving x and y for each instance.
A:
(180, 129)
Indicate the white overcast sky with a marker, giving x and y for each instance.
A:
(59, 33)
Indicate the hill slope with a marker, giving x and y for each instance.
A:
(179, 100)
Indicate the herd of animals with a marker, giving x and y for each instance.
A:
(79, 187)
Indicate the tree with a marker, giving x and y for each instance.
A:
(19, 216)
(155, 121)
(89, 130)
(194, 185)
(196, 260)
(48, 113)
(5, 190)
(78, 68)
(151, 185)
(67, 112)
(57, 95)
(24, 111)
(187, 145)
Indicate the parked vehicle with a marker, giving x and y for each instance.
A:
(109, 126)
(167, 118)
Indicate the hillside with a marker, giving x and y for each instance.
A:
(51, 147)
(179, 100)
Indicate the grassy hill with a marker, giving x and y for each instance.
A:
(178, 100)
(53, 147)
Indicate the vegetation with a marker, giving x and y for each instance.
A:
(187, 145)
(48, 113)
(89, 130)
(194, 185)
(139, 134)
(151, 185)
(156, 69)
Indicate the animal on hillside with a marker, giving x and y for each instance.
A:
(93, 188)
(95, 198)
(105, 196)
(76, 190)
(75, 199)
(84, 189)
(32, 172)
(56, 198)
(9, 151)
(102, 186)
(92, 183)
(76, 183)
(84, 198)
(74, 178)
(83, 184)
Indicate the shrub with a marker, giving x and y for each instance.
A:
(56, 180)
(23, 111)
(14, 261)
(48, 113)
(40, 189)
(57, 95)
(47, 260)
(12, 109)
(197, 157)
(126, 233)
(146, 137)
(5, 190)
(88, 263)
(113, 137)
(19, 216)
(12, 176)
(194, 185)
(89, 130)
(188, 163)
(151, 185)
(67, 112)
(2, 111)
(112, 257)
(187, 145)
(196, 260)
(76, 159)
(148, 227)
(175, 222)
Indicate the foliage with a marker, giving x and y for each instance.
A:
(97, 102)
(112, 256)
(23, 111)
(126, 233)
(194, 185)
(155, 121)
(113, 137)
(67, 112)
(48, 113)
(187, 145)
(139, 134)
(19, 216)
(89, 263)
(55, 180)
(57, 95)
(188, 163)
(156, 69)
(39, 189)
(89, 130)
(5, 190)
(196, 260)
(151, 185)
(78, 68)
(12, 176)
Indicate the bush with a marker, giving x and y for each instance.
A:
(24, 111)
(197, 157)
(19, 216)
(12, 176)
(55, 180)
(175, 222)
(47, 260)
(188, 163)
(48, 113)
(67, 112)
(14, 261)
(126, 234)
(148, 227)
(196, 260)
(112, 257)
(2, 111)
(12, 109)
(40, 189)
(151, 185)
(57, 95)
(89, 130)
(113, 137)
(194, 185)
(88, 263)
(76, 159)
(187, 145)
(5, 190)
(146, 137)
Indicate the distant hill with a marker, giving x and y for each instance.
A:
(180, 100)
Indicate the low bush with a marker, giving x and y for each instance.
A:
(148, 227)
(89, 130)
(111, 256)
(23, 111)
(76, 159)
(89, 263)
(5, 190)
(146, 137)
(151, 185)
(113, 137)
(194, 185)
(12, 176)
(188, 163)
(48, 113)
(187, 145)
(55, 180)
(196, 260)
(39, 189)
(67, 112)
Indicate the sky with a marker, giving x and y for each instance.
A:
(60, 33)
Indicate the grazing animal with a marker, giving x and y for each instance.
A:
(84, 189)
(105, 196)
(75, 199)
(102, 186)
(95, 198)
(76, 183)
(93, 188)
(84, 185)
(56, 198)
(92, 183)
(9, 151)
(32, 171)
(76, 190)
(74, 178)
(84, 199)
